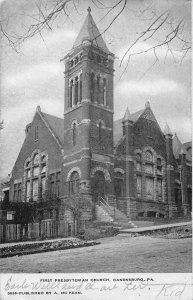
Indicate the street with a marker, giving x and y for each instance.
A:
(119, 254)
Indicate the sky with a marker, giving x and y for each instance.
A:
(34, 76)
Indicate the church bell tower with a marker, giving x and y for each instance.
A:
(88, 107)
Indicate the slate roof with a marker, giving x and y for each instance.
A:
(89, 31)
(118, 127)
(57, 126)
(178, 147)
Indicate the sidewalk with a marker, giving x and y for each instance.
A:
(152, 228)
(34, 242)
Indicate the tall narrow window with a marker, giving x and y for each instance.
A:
(80, 83)
(92, 87)
(15, 192)
(74, 183)
(100, 131)
(52, 183)
(104, 91)
(98, 89)
(159, 188)
(74, 134)
(159, 167)
(36, 133)
(19, 192)
(35, 189)
(28, 191)
(43, 186)
(71, 93)
(139, 185)
(76, 91)
(57, 184)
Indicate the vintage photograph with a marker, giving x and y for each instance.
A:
(95, 137)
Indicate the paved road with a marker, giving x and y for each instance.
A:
(120, 254)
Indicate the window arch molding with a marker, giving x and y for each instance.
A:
(105, 172)
(27, 162)
(150, 149)
(35, 152)
(102, 123)
(161, 158)
(138, 151)
(119, 170)
(74, 122)
(75, 169)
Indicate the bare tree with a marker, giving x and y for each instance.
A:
(174, 39)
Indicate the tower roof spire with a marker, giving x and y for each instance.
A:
(167, 130)
(90, 33)
(127, 115)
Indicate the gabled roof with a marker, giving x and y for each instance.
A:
(90, 32)
(5, 180)
(118, 130)
(56, 125)
(178, 148)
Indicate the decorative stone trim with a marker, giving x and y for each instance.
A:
(17, 181)
(105, 172)
(77, 152)
(119, 170)
(74, 122)
(129, 158)
(85, 121)
(85, 100)
(71, 162)
(102, 107)
(75, 169)
(145, 149)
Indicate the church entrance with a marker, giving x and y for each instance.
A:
(98, 185)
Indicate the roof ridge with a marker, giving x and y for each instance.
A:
(51, 115)
(50, 128)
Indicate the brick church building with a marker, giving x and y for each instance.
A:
(87, 166)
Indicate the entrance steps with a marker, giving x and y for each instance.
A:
(108, 213)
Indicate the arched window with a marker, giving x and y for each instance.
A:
(71, 63)
(92, 86)
(74, 183)
(149, 156)
(74, 134)
(104, 92)
(138, 162)
(71, 93)
(159, 166)
(76, 60)
(80, 88)
(36, 159)
(76, 91)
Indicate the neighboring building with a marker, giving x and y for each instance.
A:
(70, 172)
